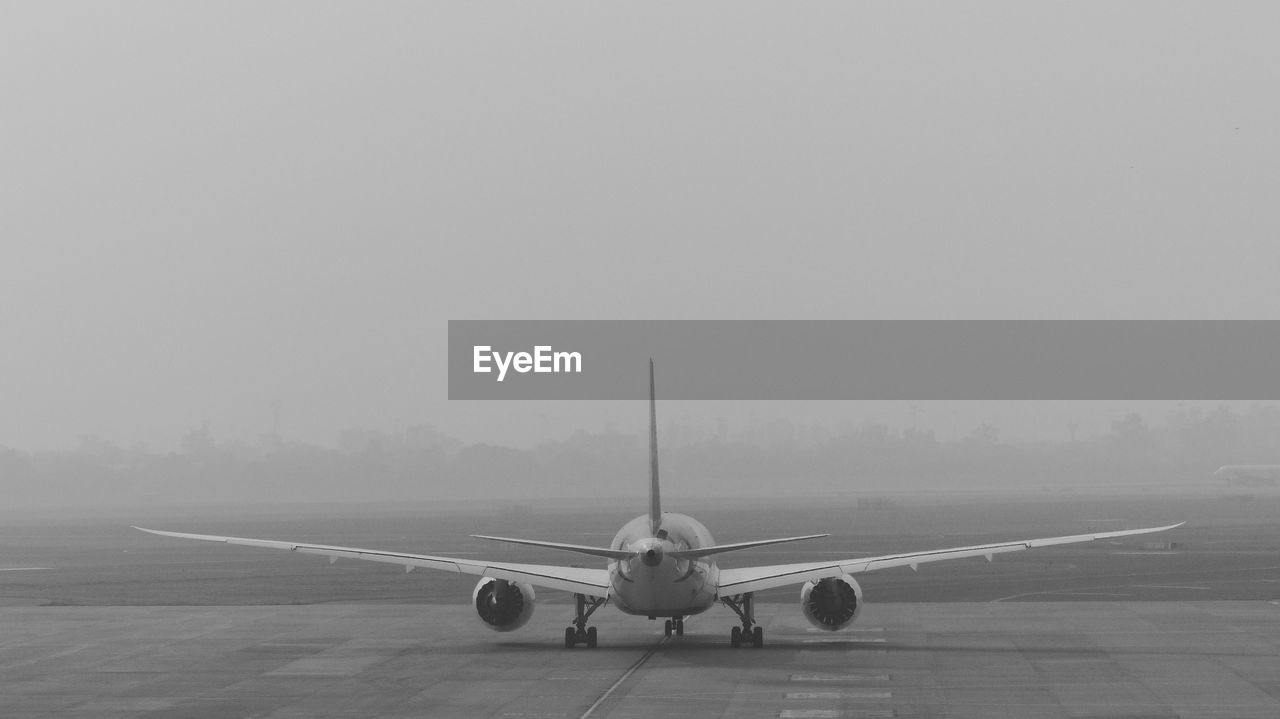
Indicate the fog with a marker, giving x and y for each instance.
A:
(1176, 454)
(250, 222)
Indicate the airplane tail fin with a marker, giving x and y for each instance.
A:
(655, 505)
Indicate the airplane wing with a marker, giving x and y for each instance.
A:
(755, 579)
(593, 582)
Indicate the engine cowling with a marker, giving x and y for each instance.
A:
(503, 605)
(832, 603)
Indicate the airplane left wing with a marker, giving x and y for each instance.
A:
(755, 579)
(592, 582)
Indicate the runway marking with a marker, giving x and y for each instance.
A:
(1063, 593)
(626, 675)
(22, 569)
(824, 713)
(845, 640)
(1066, 593)
(56, 655)
(322, 666)
(126, 704)
(839, 677)
(1147, 553)
(862, 630)
(840, 695)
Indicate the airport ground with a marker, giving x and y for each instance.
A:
(122, 624)
(1041, 659)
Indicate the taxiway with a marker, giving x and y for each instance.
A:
(1040, 659)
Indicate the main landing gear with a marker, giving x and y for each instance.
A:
(675, 624)
(744, 606)
(580, 633)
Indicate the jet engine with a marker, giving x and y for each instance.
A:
(503, 605)
(831, 603)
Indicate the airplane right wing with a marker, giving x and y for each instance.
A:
(579, 580)
(755, 579)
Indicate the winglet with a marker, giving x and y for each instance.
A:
(655, 505)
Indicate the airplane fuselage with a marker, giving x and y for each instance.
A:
(652, 582)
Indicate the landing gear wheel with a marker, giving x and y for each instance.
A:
(679, 627)
(580, 633)
(666, 628)
(744, 606)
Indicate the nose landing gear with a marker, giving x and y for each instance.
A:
(675, 624)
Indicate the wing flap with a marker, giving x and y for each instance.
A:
(755, 579)
(578, 580)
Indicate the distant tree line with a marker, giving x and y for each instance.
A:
(422, 463)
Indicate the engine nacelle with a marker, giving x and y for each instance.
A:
(832, 603)
(503, 605)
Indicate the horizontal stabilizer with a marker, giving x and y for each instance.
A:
(720, 548)
(579, 548)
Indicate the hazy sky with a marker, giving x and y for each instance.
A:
(210, 206)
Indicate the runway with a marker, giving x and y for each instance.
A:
(1007, 659)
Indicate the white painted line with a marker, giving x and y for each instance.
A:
(1059, 592)
(1165, 586)
(808, 713)
(1148, 553)
(839, 677)
(37, 659)
(827, 652)
(867, 630)
(845, 640)
(639, 663)
(322, 666)
(865, 694)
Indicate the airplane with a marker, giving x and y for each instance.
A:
(662, 564)
(1255, 475)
